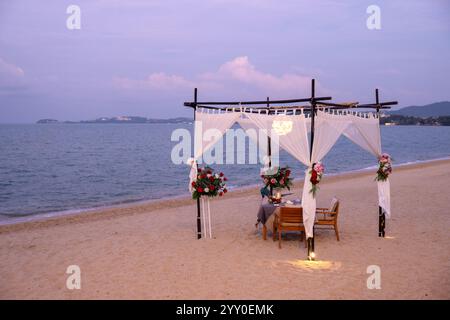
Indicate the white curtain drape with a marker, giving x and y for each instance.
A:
(259, 137)
(290, 131)
(364, 130)
(207, 121)
(328, 128)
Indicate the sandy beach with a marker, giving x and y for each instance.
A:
(150, 251)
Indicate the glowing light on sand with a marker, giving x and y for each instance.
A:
(315, 265)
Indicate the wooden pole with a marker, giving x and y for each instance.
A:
(381, 215)
(269, 148)
(199, 223)
(310, 240)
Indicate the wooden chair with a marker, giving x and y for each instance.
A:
(329, 216)
(289, 219)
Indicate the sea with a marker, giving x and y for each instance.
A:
(56, 169)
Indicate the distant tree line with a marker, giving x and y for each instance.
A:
(407, 120)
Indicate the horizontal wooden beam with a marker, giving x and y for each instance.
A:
(264, 102)
(333, 106)
(380, 105)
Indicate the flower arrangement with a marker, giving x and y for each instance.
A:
(280, 179)
(316, 176)
(208, 183)
(384, 167)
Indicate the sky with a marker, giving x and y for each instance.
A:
(144, 57)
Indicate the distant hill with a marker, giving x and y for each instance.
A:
(47, 121)
(120, 120)
(430, 110)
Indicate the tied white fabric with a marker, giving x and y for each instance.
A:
(325, 136)
(309, 205)
(384, 197)
(193, 173)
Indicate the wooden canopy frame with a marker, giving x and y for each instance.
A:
(315, 103)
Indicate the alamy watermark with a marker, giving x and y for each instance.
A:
(373, 22)
(237, 146)
(374, 280)
(73, 281)
(73, 21)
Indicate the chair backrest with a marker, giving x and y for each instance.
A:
(291, 215)
(334, 205)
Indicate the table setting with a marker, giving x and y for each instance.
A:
(269, 208)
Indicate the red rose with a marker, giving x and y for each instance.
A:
(203, 176)
(288, 172)
(314, 177)
(220, 194)
(199, 170)
(211, 179)
(221, 174)
(211, 187)
(200, 190)
(193, 183)
(225, 179)
(225, 190)
(209, 172)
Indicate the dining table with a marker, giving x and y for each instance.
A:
(267, 212)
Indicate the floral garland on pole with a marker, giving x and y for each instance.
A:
(384, 167)
(208, 183)
(316, 176)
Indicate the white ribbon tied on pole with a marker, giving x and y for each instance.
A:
(384, 197)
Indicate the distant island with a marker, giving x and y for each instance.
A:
(435, 114)
(120, 120)
(394, 120)
(48, 121)
(436, 109)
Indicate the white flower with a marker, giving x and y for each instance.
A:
(217, 176)
(206, 190)
(208, 175)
